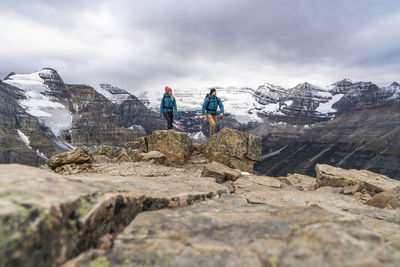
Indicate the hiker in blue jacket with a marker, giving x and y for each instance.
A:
(210, 107)
(168, 107)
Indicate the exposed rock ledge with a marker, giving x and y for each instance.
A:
(149, 214)
(46, 219)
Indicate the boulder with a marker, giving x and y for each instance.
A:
(72, 168)
(133, 149)
(152, 156)
(234, 148)
(124, 157)
(299, 181)
(387, 199)
(75, 158)
(176, 146)
(128, 153)
(133, 145)
(110, 152)
(354, 181)
(220, 172)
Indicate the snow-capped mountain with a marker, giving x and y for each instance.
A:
(311, 103)
(358, 94)
(393, 90)
(269, 93)
(47, 117)
(39, 100)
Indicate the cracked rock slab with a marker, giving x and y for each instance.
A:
(231, 232)
(354, 180)
(46, 218)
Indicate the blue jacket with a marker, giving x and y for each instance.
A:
(167, 105)
(213, 106)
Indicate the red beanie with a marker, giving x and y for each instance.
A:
(167, 89)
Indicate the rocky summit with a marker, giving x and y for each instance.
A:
(133, 207)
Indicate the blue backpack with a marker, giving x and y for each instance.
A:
(208, 103)
(166, 107)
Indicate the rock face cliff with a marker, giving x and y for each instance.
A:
(152, 214)
(133, 112)
(23, 138)
(362, 134)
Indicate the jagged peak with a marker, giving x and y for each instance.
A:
(48, 69)
(395, 84)
(307, 86)
(45, 74)
(270, 86)
(9, 75)
(344, 82)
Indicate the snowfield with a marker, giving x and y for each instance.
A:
(48, 110)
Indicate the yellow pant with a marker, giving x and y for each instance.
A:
(213, 121)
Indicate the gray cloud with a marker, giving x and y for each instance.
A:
(185, 43)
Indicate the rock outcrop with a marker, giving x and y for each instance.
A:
(272, 225)
(300, 182)
(46, 219)
(111, 152)
(101, 217)
(71, 162)
(234, 148)
(220, 172)
(353, 181)
(176, 146)
(152, 156)
(387, 199)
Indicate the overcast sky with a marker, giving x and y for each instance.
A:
(147, 44)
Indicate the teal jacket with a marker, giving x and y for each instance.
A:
(167, 105)
(214, 103)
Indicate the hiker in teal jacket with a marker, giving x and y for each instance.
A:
(168, 107)
(210, 107)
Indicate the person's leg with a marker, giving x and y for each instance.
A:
(215, 120)
(171, 120)
(211, 120)
(168, 118)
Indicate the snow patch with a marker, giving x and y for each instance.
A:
(24, 139)
(137, 127)
(198, 138)
(288, 103)
(327, 106)
(40, 154)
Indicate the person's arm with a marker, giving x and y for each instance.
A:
(221, 106)
(175, 108)
(161, 107)
(203, 110)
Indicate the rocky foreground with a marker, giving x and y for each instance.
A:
(169, 203)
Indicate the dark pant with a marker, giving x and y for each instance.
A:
(169, 116)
